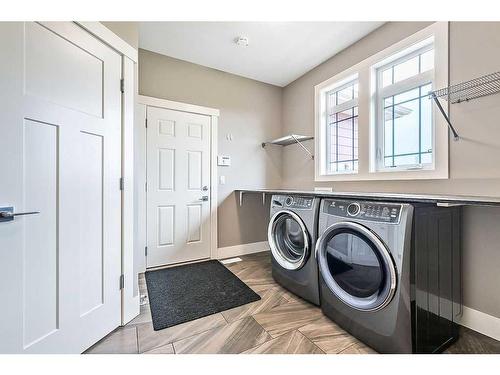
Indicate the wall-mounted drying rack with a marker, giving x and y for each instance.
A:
(463, 92)
(290, 140)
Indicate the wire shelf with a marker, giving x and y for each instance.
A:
(475, 88)
(291, 139)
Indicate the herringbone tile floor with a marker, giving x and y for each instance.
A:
(279, 323)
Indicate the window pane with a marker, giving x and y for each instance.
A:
(345, 95)
(342, 152)
(407, 95)
(427, 158)
(406, 69)
(348, 113)
(426, 123)
(426, 89)
(427, 61)
(406, 128)
(406, 160)
(387, 77)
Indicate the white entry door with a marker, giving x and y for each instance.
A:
(178, 175)
(60, 129)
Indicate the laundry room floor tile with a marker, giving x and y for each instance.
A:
(279, 323)
(150, 339)
(358, 348)
(472, 342)
(328, 336)
(232, 339)
(292, 342)
(143, 317)
(287, 317)
(269, 298)
(123, 340)
(165, 349)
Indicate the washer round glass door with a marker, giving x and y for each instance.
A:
(356, 266)
(288, 240)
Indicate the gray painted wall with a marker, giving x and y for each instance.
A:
(128, 31)
(250, 111)
(474, 168)
(253, 112)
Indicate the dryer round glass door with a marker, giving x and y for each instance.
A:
(356, 266)
(288, 239)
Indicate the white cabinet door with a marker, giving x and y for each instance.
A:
(178, 173)
(60, 126)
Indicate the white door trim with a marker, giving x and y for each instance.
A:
(177, 106)
(110, 38)
(214, 116)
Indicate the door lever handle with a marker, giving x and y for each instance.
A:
(204, 198)
(8, 214)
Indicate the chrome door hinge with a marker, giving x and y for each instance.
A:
(146, 186)
(122, 281)
(122, 85)
(146, 251)
(122, 183)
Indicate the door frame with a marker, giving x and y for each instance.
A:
(149, 101)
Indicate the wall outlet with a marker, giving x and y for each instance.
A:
(222, 180)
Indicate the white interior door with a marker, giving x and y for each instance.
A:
(60, 126)
(178, 173)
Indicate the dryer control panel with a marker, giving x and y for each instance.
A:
(292, 201)
(372, 211)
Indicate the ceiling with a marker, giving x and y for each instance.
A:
(278, 52)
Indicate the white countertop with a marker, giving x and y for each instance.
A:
(406, 197)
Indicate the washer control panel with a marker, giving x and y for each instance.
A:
(292, 201)
(372, 211)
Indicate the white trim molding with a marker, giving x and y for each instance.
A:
(243, 249)
(177, 106)
(481, 322)
(111, 39)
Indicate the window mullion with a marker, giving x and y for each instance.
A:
(344, 106)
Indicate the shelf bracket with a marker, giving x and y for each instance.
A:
(303, 147)
(440, 107)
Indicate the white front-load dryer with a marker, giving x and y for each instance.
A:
(292, 235)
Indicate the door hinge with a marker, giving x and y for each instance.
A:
(122, 281)
(146, 186)
(146, 251)
(122, 183)
(146, 122)
(122, 85)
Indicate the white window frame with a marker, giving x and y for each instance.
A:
(395, 89)
(367, 113)
(336, 109)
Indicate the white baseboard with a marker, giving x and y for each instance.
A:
(481, 322)
(243, 249)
